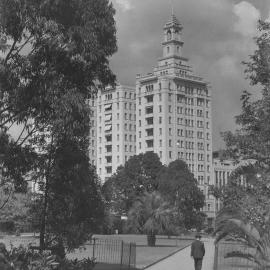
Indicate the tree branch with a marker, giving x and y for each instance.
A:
(10, 51)
(22, 46)
(25, 124)
(6, 201)
(28, 135)
(8, 120)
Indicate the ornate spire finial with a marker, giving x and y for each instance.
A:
(172, 7)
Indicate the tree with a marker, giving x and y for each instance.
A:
(15, 212)
(179, 186)
(252, 140)
(254, 236)
(248, 219)
(54, 53)
(139, 174)
(150, 214)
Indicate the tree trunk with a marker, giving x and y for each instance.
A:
(151, 240)
(43, 219)
(42, 243)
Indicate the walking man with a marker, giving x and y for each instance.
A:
(197, 252)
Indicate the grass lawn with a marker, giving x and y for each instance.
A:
(144, 255)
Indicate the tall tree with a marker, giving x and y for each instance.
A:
(250, 203)
(179, 186)
(252, 139)
(138, 175)
(54, 53)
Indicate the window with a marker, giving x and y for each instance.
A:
(149, 132)
(109, 169)
(160, 120)
(149, 143)
(170, 119)
(160, 97)
(170, 154)
(108, 159)
(160, 108)
(149, 120)
(170, 143)
(108, 138)
(170, 108)
(149, 99)
(160, 143)
(108, 148)
(140, 123)
(160, 131)
(170, 131)
(149, 110)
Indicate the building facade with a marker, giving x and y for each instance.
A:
(222, 170)
(173, 108)
(115, 128)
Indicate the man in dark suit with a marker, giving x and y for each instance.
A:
(197, 252)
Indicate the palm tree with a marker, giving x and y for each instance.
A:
(150, 214)
(254, 235)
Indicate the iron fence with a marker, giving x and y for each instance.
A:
(113, 251)
(223, 262)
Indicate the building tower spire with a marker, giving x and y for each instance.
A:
(172, 8)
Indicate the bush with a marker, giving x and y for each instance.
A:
(22, 258)
(7, 226)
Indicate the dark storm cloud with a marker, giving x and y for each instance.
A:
(217, 35)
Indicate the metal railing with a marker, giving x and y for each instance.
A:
(113, 251)
(222, 262)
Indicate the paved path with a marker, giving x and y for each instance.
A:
(182, 260)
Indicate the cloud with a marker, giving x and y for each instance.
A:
(248, 17)
(217, 37)
(124, 4)
(227, 66)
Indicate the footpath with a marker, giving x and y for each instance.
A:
(182, 260)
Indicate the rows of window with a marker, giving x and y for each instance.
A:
(110, 96)
(108, 107)
(180, 99)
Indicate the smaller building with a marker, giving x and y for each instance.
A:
(223, 167)
(222, 170)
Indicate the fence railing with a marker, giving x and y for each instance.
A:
(222, 262)
(113, 251)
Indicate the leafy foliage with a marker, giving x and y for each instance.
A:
(246, 212)
(16, 209)
(22, 258)
(179, 186)
(253, 236)
(251, 141)
(53, 55)
(150, 214)
(139, 174)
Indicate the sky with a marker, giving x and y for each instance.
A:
(217, 34)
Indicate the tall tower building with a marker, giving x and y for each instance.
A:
(173, 108)
(115, 128)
